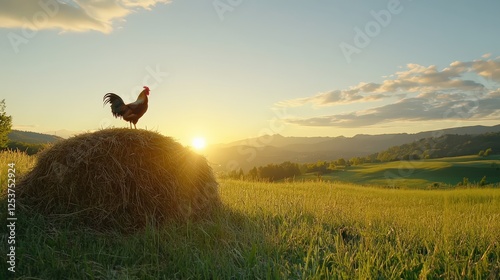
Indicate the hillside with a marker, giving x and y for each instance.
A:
(32, 137)
(420, 174)
(276, 148)
(449, 145)
(29, 142)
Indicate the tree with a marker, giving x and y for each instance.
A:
(253, 174)
(357, 160)
(331, 166)
(341, 162)
(321, 167)
(5, 125)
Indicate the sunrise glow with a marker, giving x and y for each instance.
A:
(199, 143)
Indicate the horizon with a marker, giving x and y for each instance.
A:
(202, 146)
(235, 70)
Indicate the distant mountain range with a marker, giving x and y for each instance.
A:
(276, 148)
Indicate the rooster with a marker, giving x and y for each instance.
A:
(130, 112)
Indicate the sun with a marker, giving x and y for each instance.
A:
(199, 143)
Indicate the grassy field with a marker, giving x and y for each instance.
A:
(420, 173)
(298, 230)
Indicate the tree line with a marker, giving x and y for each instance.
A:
(286, 170)
(270, 172)
(450, 145)
(426, 148)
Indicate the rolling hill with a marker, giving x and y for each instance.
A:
(29, 142)
(421, 173)
(29, 137)
(276, 148)
(449, 145)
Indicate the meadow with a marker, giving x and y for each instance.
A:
(288, 230)
(420, 174)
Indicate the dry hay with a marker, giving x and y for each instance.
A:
(119, 179)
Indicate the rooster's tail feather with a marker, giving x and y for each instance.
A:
(117, 104)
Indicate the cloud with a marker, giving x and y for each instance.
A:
(76, 15)
(331, 97)
(489, 69)
(360, 93)
(414, 79)
(422, 94)
(411, 109)
(494, 94)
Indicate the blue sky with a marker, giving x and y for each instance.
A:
(231, 69)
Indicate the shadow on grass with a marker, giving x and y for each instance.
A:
(223, 246)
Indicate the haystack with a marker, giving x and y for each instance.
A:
(120, 179)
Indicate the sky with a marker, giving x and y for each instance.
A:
(226, 70)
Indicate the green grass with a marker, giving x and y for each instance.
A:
(297, 230)
(23, 164)
(420, 173)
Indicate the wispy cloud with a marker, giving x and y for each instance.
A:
(76, 15)
(359, 93)
(422, 93)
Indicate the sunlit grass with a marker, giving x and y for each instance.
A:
(420, 173)
(22, 161)
(371, 232)
(295, 230)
